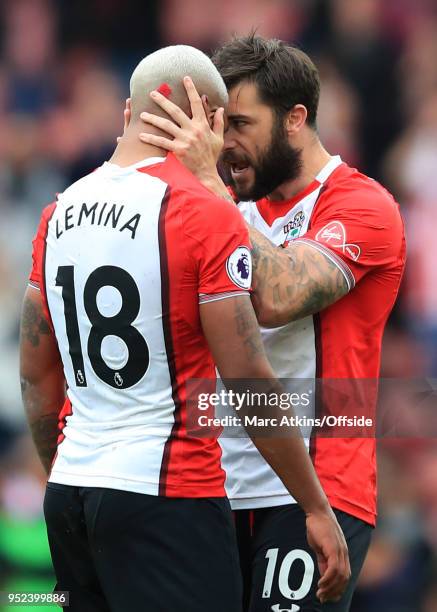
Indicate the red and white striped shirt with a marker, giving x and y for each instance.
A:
(123, 259)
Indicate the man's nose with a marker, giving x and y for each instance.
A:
(229, 142)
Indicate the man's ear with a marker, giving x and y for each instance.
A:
(295, 119)
(127, 113)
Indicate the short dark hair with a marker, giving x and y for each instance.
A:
(284, 75)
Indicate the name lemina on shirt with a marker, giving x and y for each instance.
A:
(105, 214)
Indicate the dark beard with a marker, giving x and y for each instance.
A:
(280, 162)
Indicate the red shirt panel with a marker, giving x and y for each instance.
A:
(358, 223)
(201, 232)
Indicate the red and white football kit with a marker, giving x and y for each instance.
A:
(123, 258)
(356, 223)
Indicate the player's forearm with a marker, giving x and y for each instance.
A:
(42, 420)
(291, 283)
(44, 430)
(45, 435)
(41, 375)
(43, 396)
(289, 458)
(240, 358)
(282, 446)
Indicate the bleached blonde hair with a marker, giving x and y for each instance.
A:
(170, 65)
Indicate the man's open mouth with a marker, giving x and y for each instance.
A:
(238, 168)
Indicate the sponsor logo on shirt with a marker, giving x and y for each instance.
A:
(277, 608)
(293, 228)
(334, 234)
(239, 267)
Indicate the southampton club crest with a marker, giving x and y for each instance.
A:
(239, 267)
(293, 228)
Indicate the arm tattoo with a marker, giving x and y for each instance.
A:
(292, 283)
(247, 327)
(33, 323)
(41, 376)
(45, 436)
(43, 427)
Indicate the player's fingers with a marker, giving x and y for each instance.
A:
(171, 109)
(331, 575)
(345, 568)
(335, 578)
(205, 105)
(197, 107)
(218, 126)
(331, 595)
(321, 563)
(346, 564)
(157, 141)
(331, 581)
(327, 597)
(163, 124)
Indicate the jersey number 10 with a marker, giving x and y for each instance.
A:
(119, 325)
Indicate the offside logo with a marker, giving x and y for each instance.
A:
(239, 267)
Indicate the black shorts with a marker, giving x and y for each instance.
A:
(279, 568)
(116, 551)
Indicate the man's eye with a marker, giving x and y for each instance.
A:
(238, 123)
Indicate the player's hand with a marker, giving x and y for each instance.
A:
(327, 540)
(193, 141)
(127, 115)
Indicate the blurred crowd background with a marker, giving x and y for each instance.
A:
(64, 71)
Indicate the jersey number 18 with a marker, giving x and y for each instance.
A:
(119, 325)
